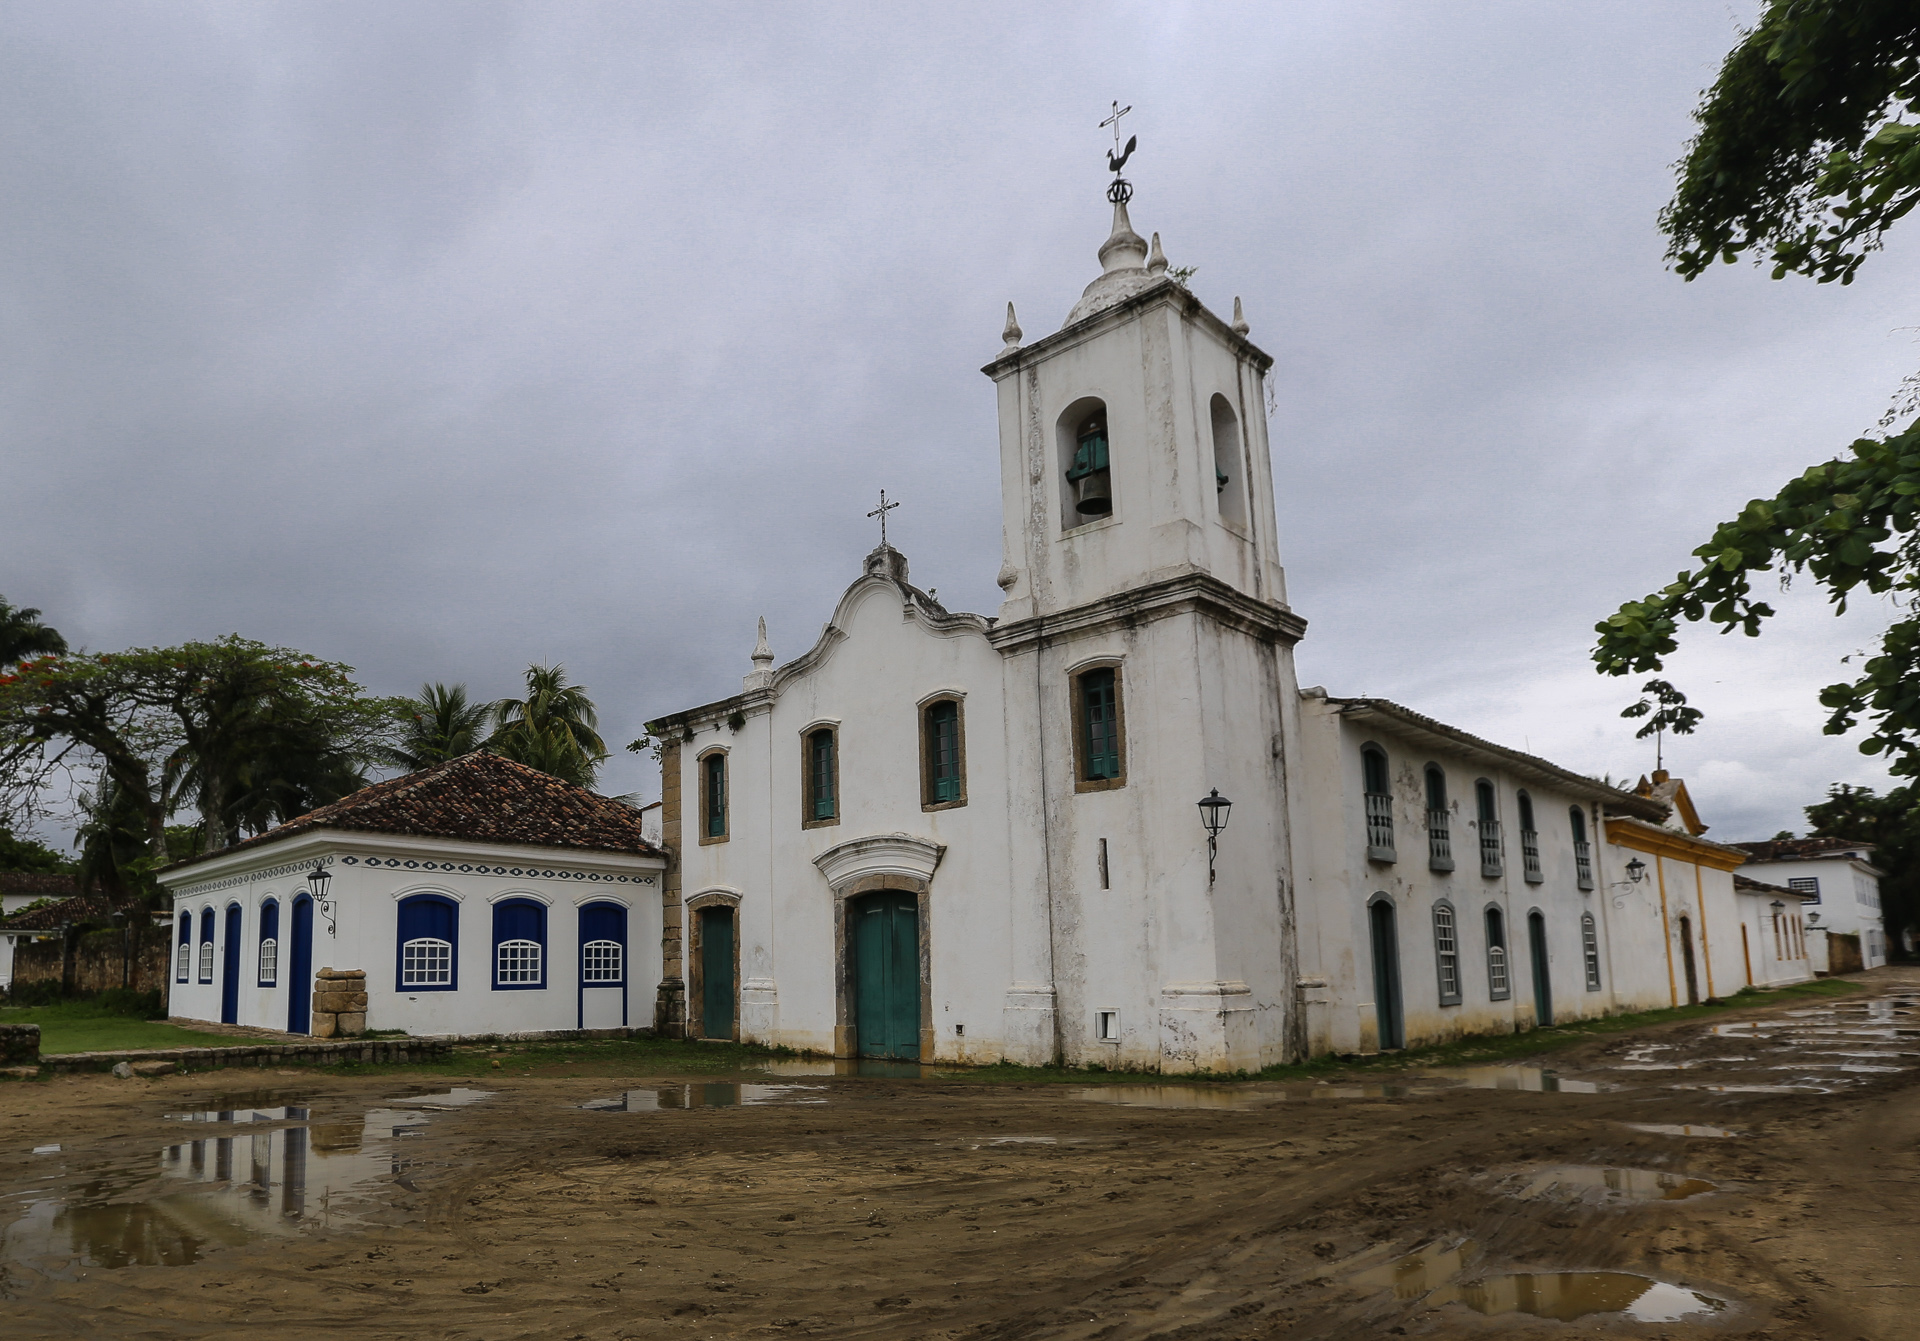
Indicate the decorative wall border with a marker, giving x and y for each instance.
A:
(235, 881)
(396, 863)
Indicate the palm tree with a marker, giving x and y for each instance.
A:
(553, 729)
(437, 726)
(22, 635)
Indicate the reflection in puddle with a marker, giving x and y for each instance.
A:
(709, 1095)
(1179, 1096)
(1421, 1270)
(1533, 1079)
(1680, 1129)
(1758, 1089)
(1567, 1295)
(209, 1193)
(871, 1067)
(1595, 1185)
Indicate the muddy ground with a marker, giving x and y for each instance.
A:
(820, 1205)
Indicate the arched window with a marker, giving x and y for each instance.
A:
(603, 945)
(943, 772)
(206, 945)
(519, 944)
(713, 797)
(1088, 492)
(429, 931)
(1446, 952)
(820, 786)
(1497, 982)
(1489, 823)
(183, 967)
(269, 973)
(1229, 470)
(1529, 840)
(1582, 850)
(1379, 801)
(1590, 947)
(1439, 830)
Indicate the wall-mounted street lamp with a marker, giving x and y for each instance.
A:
(317, 880)
(1214, 810)
(1636, 870)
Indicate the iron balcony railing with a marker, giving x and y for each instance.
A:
(1490, 848)
(1583, 862)
(1380, 826)
(1439, 842)
(1530, 856)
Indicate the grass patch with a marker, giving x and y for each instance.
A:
(81, 1026)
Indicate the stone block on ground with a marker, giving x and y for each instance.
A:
(20, 1072)
(155, 1068)
(352, 1021)
(324, 1025)
(124, 1070)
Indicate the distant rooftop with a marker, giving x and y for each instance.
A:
(1805, 849)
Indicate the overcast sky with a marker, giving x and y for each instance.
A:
(442, 338)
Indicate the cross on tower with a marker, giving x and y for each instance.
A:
(881, 512)
(1114, 121)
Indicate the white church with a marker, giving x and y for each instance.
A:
(1102, 826)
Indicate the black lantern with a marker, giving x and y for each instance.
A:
(1214, 810)
(317, 880)
(1636, 870)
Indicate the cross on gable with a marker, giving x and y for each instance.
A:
(881, 512)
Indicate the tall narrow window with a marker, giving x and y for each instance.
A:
(1529, 841)
(1590, 947)
(519, 944)
(603, 944)
(183, 969)
(429, 930)
(1446, 951)
(269, 974)
(821, 793)
(713, 797)
(1582, 850)
(1100, 740)
(206, 945)
(1379, 802)
(1439, 833)
(1497, 985)
(1229, 475)
(943, 763)
(1489, 821)
(1089, 480)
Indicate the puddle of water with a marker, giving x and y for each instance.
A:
(1570, 1295)
(1595, 1185)
(440, 1103)
(1179, 1096)
(842, 1066)
(1681, 1129)
(1533, 1079)
(212, 1192)
(1420, 1271)
(1758, 1089)
(705, 1095)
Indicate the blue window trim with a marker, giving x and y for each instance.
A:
(206, 938)
(400, 946)
(269, 923)
(541, 940)
(184, 917)
(625, 965)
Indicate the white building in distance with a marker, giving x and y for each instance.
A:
(1841, 887)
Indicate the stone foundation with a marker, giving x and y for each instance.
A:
(339, 1003)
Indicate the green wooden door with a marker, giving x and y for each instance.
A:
(1542, 975)
(886, 944)
(716, 972)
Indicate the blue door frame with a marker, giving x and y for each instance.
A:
(300, 968)
(230, 969)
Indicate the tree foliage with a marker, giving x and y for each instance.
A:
(1803, 151)
(30, 855)
(554, 728)
(437, 726)
(23, 635)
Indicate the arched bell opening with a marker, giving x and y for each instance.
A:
(1086, 463)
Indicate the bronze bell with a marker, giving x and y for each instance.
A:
(1093, 494)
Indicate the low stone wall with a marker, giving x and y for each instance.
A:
(19, 1044)
(97, 961)
(378, 1050)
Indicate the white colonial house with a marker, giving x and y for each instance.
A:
(946, 836)
(477, 896)
(1841, 888)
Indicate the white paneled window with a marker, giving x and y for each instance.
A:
(426, 962)
(269, 962)
(206, 961)
(600, 961)
(186, 961)
(519, 962)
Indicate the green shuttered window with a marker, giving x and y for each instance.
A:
(943, 752)
(713, 799)
(823, 804)
(1100, 715)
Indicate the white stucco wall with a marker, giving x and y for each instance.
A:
(371, 873)
(1849, 898)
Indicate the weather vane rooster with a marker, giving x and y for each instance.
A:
(1121, 191)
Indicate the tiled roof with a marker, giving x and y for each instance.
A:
(1802, 849)
(1748, 885)
(81, 908)
(39, 884)
(479, 797)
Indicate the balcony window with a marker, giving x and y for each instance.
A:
(1490, 864)
(1373, 767)
(1529, 842)
(1582, 850)
(1439, 835)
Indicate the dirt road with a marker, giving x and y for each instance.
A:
(806, 1205)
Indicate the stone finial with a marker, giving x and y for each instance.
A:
(762, 654)
(1012, 332)
(1157, 259)
(1240, 326)
(1124, 249)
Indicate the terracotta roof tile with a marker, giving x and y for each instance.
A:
(1749, 885)
(81, 908)
(1801, 849)
(39, 884)
(479, 797)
